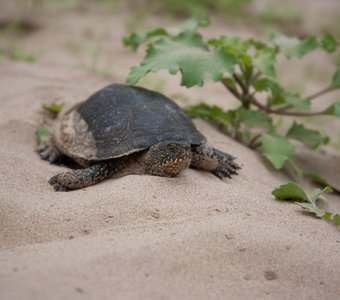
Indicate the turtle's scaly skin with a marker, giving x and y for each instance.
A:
(124, 130)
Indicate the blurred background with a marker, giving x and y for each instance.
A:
(87, 33)
(66, 36)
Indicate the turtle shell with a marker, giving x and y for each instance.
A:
(122, 119)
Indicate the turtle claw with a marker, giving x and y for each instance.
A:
(57, 186)
(227, 171)
(217, 162)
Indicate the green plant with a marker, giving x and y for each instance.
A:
(53, 107)
(294, 192)
(179, 8)
(246, 67)
(43, 133)
(15, 53)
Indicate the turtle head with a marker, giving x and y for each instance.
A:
(167, 159)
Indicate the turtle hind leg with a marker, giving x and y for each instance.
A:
(80, 178)
(47, 150)
(215, 161)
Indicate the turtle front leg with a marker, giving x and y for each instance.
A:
(215, 161)
(166, 159)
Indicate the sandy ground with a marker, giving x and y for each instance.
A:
(144, 237)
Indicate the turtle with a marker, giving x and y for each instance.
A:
(125, 129)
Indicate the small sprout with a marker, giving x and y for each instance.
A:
(53, 107)
(43, 133)
(311, 138)
(295, 192)
(15, 53)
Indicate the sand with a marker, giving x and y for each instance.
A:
(145, 237)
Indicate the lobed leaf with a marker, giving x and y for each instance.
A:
(134, 40)
(292, 46)
(210, 112)
(334, 109)
(194, 23)
(188, 54)
(234, 45)
(264, 62)
(270, 84)
(311, 138)
(328, 42)
(297, 102)
(276, 149)
(254, 118)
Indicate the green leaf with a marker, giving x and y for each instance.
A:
(254, 118)
(312, 208)
(316, 193)
(327, 216)
(334, 109)
(266, 84)
(277, 92)
(134, 40)
(297, 102)
(264, 61)
(306, 46)
(43, 133)
(336, 220)
(292, 46)
(194, 23)
(328, 42)
(294, 192)
(53, 107)
(211, 113)
(336, 79)
(233, 45)
(276, 149)
(188, 54)
(311, 138)
(290, 191)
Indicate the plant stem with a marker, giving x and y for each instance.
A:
(324, 91)
(252, 143)
(311, 97)
(243, 86)
(255, 77)
(232, 90)
(286, 113)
